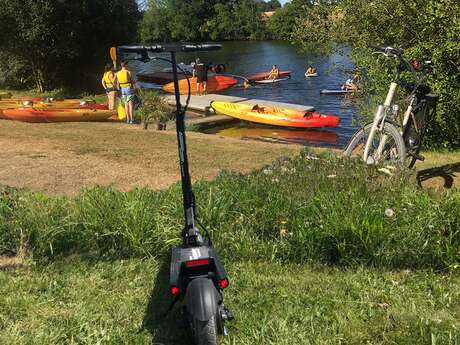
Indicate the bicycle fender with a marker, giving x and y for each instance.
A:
(202, 299)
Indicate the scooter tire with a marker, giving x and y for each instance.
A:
(205, 332)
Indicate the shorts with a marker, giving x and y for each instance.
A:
(202, 77)
(128, 98)
(110, 89)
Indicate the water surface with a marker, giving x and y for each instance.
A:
(243, 58)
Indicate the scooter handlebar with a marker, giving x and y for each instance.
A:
(173, 47)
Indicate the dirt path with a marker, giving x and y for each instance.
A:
(60, 159)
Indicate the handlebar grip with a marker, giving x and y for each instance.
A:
(201, 47)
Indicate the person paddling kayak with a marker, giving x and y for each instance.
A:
(274, 73)
(310, 70)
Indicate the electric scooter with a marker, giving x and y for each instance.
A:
(197, 275)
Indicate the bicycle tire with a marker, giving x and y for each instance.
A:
(394, 151)
(411, 158)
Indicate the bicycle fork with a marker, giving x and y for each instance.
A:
(379, 119)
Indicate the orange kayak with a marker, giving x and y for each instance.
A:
(57, 115)
(215, 83)
(276, 116)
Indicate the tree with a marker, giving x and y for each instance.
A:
(424, 28)
(47, 41)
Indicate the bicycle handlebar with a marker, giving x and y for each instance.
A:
(173, 47)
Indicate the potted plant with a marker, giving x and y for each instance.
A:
(154, 109)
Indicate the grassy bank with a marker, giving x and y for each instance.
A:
(319, 249)
(328, 210)
(78, 301)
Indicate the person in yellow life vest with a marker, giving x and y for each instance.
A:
(108, 83)
(310, 70)
(274, 73)
(126, 84)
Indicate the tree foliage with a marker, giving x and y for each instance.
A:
(200, 20)
(426, 29)
(44, 42)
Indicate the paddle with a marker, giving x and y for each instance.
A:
(113, 56)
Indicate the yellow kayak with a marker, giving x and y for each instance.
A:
(269, 115)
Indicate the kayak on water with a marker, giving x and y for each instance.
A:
(337, 92)
(311, 75)
(57, 115)
(271, 81)
(265, 75)
(269, 115)
(215, 83)
(160, 78)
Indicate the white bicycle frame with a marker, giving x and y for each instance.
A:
(379, 115)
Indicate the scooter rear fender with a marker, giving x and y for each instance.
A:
(202, 299)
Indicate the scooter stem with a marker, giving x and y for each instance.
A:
(189, 211)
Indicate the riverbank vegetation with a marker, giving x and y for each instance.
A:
(426, 29)
(292, 211)
(322, 249)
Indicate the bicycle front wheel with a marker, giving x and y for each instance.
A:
(393, 150)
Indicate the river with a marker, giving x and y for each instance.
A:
(246, 57)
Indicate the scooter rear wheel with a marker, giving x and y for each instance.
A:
(205, 332)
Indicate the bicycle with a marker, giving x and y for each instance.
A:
(390, 137)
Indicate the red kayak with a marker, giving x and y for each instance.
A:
(265, 75)
(160, 78)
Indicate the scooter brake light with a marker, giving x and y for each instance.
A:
(195, 263)
(175, 291)
(224, 283)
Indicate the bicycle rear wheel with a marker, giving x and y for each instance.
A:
(394, 150)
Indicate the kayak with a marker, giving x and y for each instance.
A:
(214, 84)
(337, 92)
(276, 116)
(271, 81)
(265, 75)
(311, 75)
(57, 115)
(5, 95)
(160, 78)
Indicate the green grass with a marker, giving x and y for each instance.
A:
(329, 210)
(79, 301)
(314, 255)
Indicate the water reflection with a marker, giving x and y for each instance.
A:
(247, 131)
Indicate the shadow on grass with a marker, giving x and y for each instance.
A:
(165, 329)
(447, 172)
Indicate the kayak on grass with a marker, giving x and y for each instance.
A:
(214, 84)
(57, 115)
(270, 115)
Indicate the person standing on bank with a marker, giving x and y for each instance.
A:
(108, 82)
(126, 84)
(200, 71)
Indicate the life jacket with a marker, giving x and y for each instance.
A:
(124, 79)
(106, 78)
